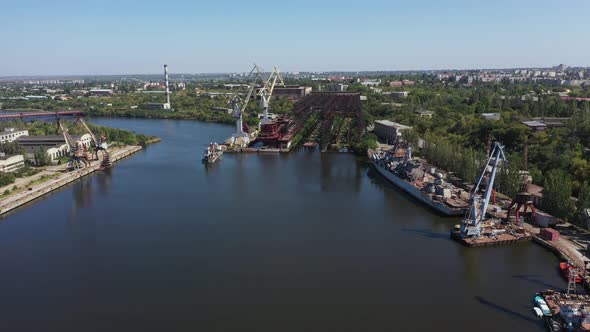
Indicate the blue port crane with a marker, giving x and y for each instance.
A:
(471, 225)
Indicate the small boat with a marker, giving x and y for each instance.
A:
(541, 308)
(566, 268)
(212, 153)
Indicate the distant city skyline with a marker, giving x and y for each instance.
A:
(133, 37)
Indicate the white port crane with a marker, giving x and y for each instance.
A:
(471, 225)
(238, 111)
(99, 145)
(265, 92)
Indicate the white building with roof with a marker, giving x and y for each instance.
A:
(389, 130)
(11, 134)
(490, 116)
(11, 163)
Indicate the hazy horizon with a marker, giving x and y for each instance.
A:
(293, 71)
(125, 37)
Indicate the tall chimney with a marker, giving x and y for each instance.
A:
(525, 158)
(167, 88)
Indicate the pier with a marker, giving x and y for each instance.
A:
(60, 179)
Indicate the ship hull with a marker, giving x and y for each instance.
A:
(211, 159)
(417, 193)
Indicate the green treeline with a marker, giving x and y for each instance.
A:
(187, 105)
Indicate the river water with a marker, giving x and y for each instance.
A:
(297, 242)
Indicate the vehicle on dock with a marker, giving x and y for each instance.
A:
(420, 180)
(212, 153)
(566, 268)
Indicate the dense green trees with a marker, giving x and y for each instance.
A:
(368, 141)
(582, 203)
(508, 175)
(557, 191)
(465, 162)
(186, 105)
(11, 148)
(41, 158)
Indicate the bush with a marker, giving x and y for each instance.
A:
(557, 194)
(6, 179)
(368, 141)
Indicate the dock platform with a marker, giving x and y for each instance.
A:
(488, 241)
(566, 311)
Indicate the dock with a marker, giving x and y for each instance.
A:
(566, 311)
(488, 241)
(61, 179)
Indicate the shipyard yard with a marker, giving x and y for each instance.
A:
(330, 121)
(292, 263)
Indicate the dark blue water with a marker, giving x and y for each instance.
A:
(298, 242)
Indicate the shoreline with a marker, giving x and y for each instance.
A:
(15, 201)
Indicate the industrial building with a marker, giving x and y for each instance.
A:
(10, 135)
(293, 92)
(399, 94)
(333, 87)
(11, 163)
(100, 92)
(154, 106)
(55, 145)
(490, 116)
(389, 130)
(535, 125)
(424, 114)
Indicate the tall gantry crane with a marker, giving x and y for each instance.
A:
(471, 225)
(99, 144)
(79, 157)
(265, 92)
(238, 111)
(77, 152)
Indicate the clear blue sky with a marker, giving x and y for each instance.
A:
(116, 37)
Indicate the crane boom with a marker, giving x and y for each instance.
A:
(266, 91)
(238, 111)
(277, 75)
(67, 137)
(96, 143)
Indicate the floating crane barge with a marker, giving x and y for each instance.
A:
(476, 230)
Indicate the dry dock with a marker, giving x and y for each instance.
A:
(36, 191)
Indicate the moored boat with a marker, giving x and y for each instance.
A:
(566, 268)
(420, 180)
(212, 153)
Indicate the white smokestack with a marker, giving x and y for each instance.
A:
(167, 88)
